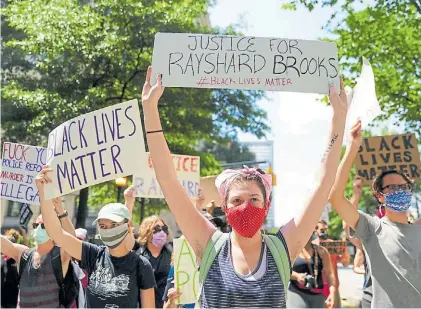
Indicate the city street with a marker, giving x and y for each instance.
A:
(350, 287)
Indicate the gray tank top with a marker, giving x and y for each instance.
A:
(38, 286)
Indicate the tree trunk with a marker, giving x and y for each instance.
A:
(82, 210)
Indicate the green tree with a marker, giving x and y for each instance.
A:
(388, 34)
(64, 58)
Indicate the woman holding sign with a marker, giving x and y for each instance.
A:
(244, 268)
(392, 245)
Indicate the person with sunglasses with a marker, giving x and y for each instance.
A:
(153, 245)
(36, 266)
(392, 246)
(118, 277)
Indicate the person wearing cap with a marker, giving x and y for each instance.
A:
(118, 277)
(36, 290)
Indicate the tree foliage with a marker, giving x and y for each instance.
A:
(388, 34)
(67, 57)
(64, 58)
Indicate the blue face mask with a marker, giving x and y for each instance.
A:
(398, 201)
(40, 236)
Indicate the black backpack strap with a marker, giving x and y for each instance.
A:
(26, 255)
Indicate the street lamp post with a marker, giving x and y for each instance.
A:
(120, 183)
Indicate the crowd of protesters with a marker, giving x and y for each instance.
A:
(242, 268)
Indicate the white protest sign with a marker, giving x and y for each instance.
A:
(238, 62)
(188, 173)
(186, 274)
(96, 147)
(362, 99)
(20, 165)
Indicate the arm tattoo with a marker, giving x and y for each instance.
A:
(329, 148)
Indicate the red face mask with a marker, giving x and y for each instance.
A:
(246, 219)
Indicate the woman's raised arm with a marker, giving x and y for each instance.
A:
(298, 231)
(194, 226)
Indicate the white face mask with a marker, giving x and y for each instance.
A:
(113, 237)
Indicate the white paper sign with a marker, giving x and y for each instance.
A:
(96, 147)
(20, 165)
(188, 173)
(186, 274)
(237, 62)
(364, 104)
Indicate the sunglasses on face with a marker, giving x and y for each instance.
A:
(406, 187)
(35, 225)
(158, 228)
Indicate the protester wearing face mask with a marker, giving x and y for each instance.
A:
(153, 238)
(118, 277)
(306, 285)
(247, 269)
(392, 246)
(38, 265)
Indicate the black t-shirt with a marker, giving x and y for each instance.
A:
(161, 266)
(115, 282)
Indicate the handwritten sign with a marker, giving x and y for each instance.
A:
(25, 215)
(335, 247)
(238, 62)
(95, 147)
(186, 274)
(20, 165)
(382, 153)
(188, 173)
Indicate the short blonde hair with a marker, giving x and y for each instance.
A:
(146, 228)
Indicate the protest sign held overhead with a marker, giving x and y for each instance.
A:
(186, 274)
(188, 173)
(20, 165)
(237, 62)
(95, 147)
(394, 152)
(363, 101)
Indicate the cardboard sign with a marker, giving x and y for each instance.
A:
(20, 165)
(96, 147)
(335, 247)
(186, 274)
(238, 62)
(393, 152)
(188, 173)
(25, 215)
(210, 191)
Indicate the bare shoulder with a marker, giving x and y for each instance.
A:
(322, 251)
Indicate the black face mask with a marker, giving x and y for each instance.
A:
(323, 235)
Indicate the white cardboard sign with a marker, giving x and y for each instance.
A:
(239, 62)
(188, 173)
(186, 274)
(20, 165)
(363, 101)
(96, 147)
